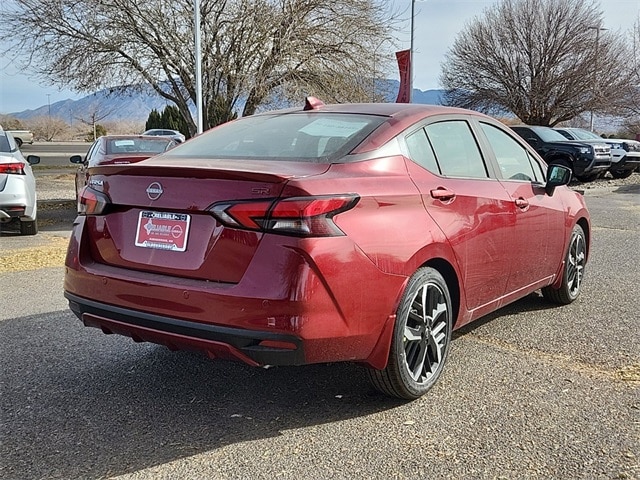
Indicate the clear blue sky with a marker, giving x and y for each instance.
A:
(437, 23)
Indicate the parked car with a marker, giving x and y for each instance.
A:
(587, 158)
(18, 205)
(354, 232)
(163, 132)
(625, 154)
(118, 149)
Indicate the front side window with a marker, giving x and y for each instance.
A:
(513, 158)
(456, 149)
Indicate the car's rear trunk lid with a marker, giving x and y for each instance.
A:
(158, 219)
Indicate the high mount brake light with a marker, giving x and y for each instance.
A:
(300, 216)
(92, 202)
(16, 168)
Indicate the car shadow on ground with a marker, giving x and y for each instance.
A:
(102, 405)
(53, 215)
(531, 303)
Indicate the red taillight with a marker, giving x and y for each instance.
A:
(12, 168)
(92, 202)
(302, 216)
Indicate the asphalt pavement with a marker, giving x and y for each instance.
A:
(531, 391)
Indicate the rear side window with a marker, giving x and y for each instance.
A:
(421, 152)
(303, 136)
(456, 150)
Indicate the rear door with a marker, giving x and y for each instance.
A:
(472, 209)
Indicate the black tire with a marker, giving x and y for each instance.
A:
(620, 173)
(18, 142)
(29, 228)
(415, 364)
(573, 272)
(587, 178)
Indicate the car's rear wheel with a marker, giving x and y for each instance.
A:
(18, 142)
(573, 273)
(421, 338)
(29, 228)
(620, 173)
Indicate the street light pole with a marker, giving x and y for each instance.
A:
(198, 59)
(596, 82)
(411, 56)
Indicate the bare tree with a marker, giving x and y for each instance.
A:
(544, 60)
(254, 52)
(10, 123)
(94, 115)
(48, 128)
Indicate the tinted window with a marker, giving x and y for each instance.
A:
(313, 137)
(421, 152)
(456, 150)
(137, 145)
(4, 143)
(513, 159)
(548, 134)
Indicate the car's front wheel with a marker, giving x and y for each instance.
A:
(573, 273)
(421, 338)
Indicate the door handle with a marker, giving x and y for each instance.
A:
(522, 204)
(442, 194)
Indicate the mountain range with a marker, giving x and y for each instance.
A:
(129, 104)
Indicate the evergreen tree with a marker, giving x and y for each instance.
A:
(154, 120)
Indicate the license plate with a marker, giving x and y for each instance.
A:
(163, 231)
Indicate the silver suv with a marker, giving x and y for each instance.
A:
(625, 154)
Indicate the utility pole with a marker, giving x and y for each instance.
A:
(596, 80)
(198, 59)
(49, 103)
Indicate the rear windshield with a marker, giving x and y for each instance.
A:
(303, 136)
(548, 134)
(138, 145)
(5, 146)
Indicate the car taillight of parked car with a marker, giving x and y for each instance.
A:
(300, 216)
(92, 202)
(12, 168)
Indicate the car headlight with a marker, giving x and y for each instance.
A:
(584, 149)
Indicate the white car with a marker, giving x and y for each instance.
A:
(625, 154)
(164, 132)
(17, 187)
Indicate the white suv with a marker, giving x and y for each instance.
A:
(625, 154)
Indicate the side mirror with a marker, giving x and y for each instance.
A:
(557, 175)
(33, 159)
(76, 159)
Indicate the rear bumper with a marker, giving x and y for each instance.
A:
(17, 199)
(286, 310)
(251, 347)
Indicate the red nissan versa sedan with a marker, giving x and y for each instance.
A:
(362, 233)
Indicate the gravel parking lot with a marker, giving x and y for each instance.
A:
(532, 391)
